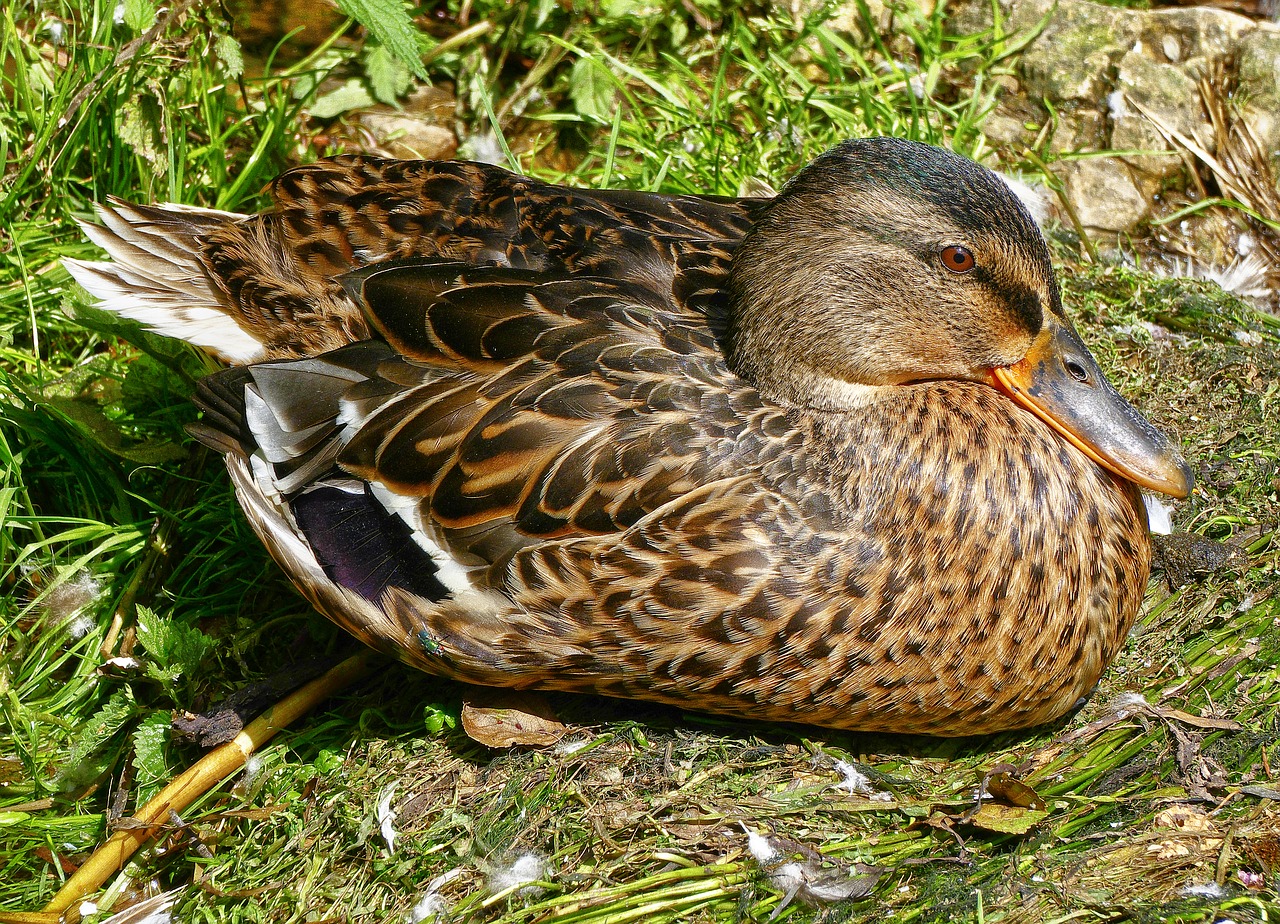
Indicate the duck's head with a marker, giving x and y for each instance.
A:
(887, 262)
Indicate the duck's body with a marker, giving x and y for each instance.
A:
(555, 448)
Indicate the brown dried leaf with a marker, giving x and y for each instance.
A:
(10, 770)
(501, 719)
(1196, 721)
(1006, 789)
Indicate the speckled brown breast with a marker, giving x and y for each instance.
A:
(966, 574)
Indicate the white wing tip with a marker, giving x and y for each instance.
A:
(163, 311)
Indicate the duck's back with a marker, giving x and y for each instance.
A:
(183, 271)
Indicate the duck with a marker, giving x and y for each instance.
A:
(835, 456)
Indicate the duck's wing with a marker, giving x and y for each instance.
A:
(499, 409)
(251, 288)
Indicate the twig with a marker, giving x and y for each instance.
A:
(206, 773)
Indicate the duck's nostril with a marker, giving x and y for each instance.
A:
(1077, 371)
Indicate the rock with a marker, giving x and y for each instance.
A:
(1186, 556)
(420, 130)
(1258, 83)
(1147, 90)
(1103, 193)
(1080, 130)
(1099, 67)
(1098, 76)
(407, 137)
(1080, 46)
(850, 18)
(1204, 34)
(302, 26)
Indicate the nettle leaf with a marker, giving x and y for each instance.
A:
(149, 763)
(168, 351)
(391, 24)
(230, 58)
(139, 15)
(149, 383)
(351, 95)
(86, 758)
(175, 648)
(387, 74)
(90, 420)
(139, 125)
(593, 90)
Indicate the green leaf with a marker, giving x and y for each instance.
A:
(593, 90)
(438, 718)
(88, 418)
(387, 75)
(328, 761)
(139, 126)
(351, 95)
(391, 24)
(618, 9)
(149, 740)
(139, 15)
(85, 758)
(168, 351)
(1006, 819)
(230, 58)
(149, 384)
(176, 648)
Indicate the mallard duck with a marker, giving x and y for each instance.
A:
(834, 457)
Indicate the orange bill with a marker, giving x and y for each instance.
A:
(1059, 381)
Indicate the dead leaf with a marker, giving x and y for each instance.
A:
(10, 770)
(500, 719)
(1187, 819)
(1006, 819)
(1006, 789)
(1196, 721)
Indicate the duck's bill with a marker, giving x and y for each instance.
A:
(1059, 381)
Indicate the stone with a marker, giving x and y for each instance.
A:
(1147, 90)
(1079, 129)
(848, 18)
(419, 130)
(407, 137)
(1258, 83)
(1079, 47)
(1103, 193)
(1202, 32)
(1099, 67)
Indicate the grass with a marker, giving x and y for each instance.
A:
(119, 539)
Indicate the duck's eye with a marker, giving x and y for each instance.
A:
(957, 259)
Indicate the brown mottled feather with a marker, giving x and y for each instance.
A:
(345, 213)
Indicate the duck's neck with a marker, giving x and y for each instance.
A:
(770, 341)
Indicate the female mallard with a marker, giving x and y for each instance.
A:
(834, 457)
